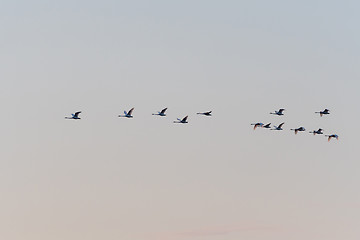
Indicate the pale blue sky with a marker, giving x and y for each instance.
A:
(146, 178)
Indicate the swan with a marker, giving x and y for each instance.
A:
(184, 120)
(127, 114)
(332, 136)
(278, 127)
(325, 112)
(74, 116)
(257, 125)
(161, 113)
(300, 129)
(205, 113)
(279, 113)
(319, 131)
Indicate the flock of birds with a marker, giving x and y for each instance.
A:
(280, 112)
(128, 114)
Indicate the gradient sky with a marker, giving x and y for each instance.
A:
(149, 179)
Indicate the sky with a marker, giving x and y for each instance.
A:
(146, 178)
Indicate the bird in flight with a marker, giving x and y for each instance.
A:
(74, 116)
(279, 113)
(325, 112)
(267, 125)
(127, 114)
(319, 131)
(278, 127)
(300, 129)
(257, 125)
(205, 113)
(332, 136)
(161, 113)
(184, 120)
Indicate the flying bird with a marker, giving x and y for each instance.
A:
(278, 127)
(325, 112)
(205, 113)
(162, 113)
(319, 131)
(300, 129)
(184, 120)
(279, 113)
(267, 125)
(332, 136)
(127, 114)
(74, 116)
(257, 125)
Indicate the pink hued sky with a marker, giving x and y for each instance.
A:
(146, 178)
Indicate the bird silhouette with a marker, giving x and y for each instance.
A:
(127, 114)
(278, 127)
(205, 113)
(161, 113)
(300, 129)
(332, 136)
(319, 131)
(279, 113)
(74, 116)
(325, 112)
(184, 120)
(257, 125)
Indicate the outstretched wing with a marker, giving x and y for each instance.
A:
(163, 111)
(281, 110)
(208, 113)
(267, 125)
(281, 124)
(258, 125)
(184, 119)
(77, 114)
(130, 111)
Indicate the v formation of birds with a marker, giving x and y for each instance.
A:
(280, 112)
